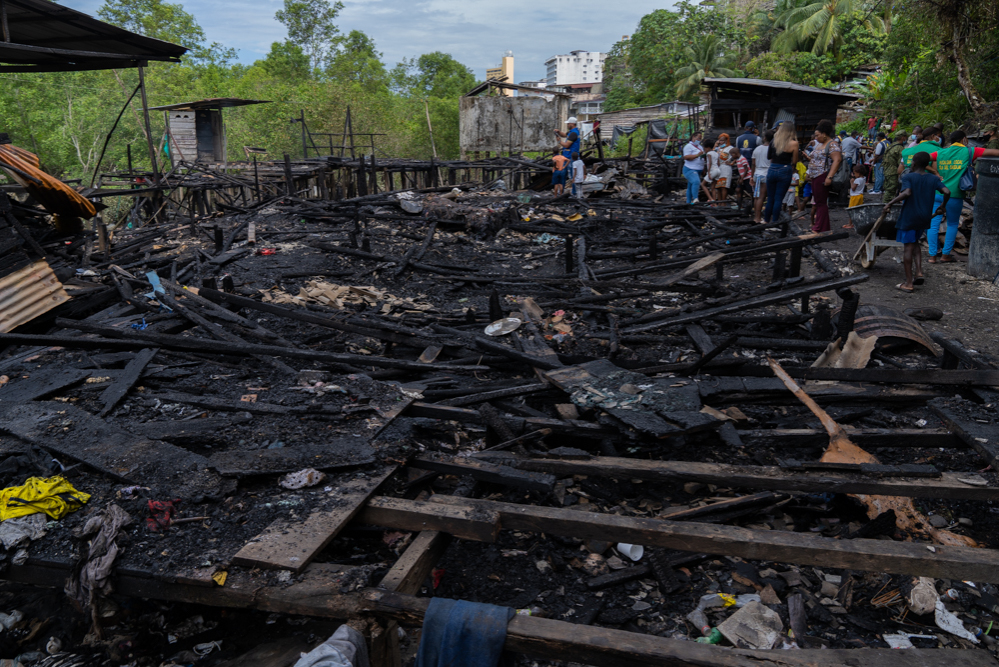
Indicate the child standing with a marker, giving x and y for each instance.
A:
(858, 182)
(578, 175)
(919, 188)
(792, 192)
(559, 171)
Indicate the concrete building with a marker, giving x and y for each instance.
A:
(504, 69)
(575, 67)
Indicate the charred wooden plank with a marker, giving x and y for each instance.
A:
(291, 546)
(133, 371)
(41, 383)
(484, 471)
(947, 485)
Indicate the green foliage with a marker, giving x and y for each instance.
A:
(359, 62)
(432, 75)
(312, 25)
(169, 22)
(657, 50)
(821, 26)
(706, 59)
(617, 78)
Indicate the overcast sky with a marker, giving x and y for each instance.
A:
(476, 32)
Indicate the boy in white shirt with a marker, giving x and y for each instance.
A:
(578, 175)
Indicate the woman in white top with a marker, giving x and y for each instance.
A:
(693, 166)
(727, 155)
(761, 164)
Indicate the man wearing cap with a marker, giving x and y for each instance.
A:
(929, 144)
(570, 143)
(748, 141)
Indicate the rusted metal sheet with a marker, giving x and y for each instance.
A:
(885, 322)
(27, 293)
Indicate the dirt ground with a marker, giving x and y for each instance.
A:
(970, 305)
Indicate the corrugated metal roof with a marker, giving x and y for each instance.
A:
(27, 293)
(212, 103)
(767, 83)
(48, 37)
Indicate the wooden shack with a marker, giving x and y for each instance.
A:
(196, 130)
(734, 102)
(639, 115)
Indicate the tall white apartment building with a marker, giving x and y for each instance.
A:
(575, 67)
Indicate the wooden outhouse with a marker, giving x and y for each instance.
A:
(196, 130)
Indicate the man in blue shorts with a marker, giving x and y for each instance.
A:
(919, 189)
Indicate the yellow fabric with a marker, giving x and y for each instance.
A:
(54, 496)
(856, 200)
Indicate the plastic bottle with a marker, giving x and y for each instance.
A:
(714, 637)
(700, 621)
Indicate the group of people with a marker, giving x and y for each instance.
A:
(770, 165)
(931, 178)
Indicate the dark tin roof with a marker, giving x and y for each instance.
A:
(767, 83)
(47, 37)
(212, 103)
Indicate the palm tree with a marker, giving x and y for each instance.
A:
(706, 59)
(818, 24)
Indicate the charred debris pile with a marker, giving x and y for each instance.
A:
(636, 421)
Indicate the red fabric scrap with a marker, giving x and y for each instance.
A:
(163, 513)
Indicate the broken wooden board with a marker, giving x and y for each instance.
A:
(484, 471)
(979, 486)
(416, 562)
(79, 435)
(982, 436)
(657, 407)
(343, 452)
(866, 437)
(285, 545)
(769, 389)
(129, 377)
(41, 383)
(911, 558)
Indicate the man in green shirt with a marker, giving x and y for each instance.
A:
(892, 158)
(951, 163)
(929, 144)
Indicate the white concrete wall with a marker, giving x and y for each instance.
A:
(575, 67)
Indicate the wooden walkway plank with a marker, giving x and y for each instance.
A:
(914, 558)
(983, 438)
(291, 546)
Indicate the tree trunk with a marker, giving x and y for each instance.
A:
(964, 72)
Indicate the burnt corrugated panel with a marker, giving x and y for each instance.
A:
(28, 293)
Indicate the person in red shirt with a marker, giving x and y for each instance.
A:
(872, 127)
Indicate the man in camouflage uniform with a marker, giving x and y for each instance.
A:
(990, 131)
(892, 158)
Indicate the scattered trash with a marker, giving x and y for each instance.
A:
(753, 626)
(54, 496)
(632, 551)
(503, 327)
(302, 479)
(922, 599)
(948, 622)
(267, 251)
(163, 513)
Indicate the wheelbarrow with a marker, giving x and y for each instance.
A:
(878, 230)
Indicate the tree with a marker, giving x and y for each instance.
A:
(618, 85)
(819, 26)
(287, 61)
(657, 48)
(358, 61)
(169, 22)
(706, 59)
(434, 74)
(311, 25)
